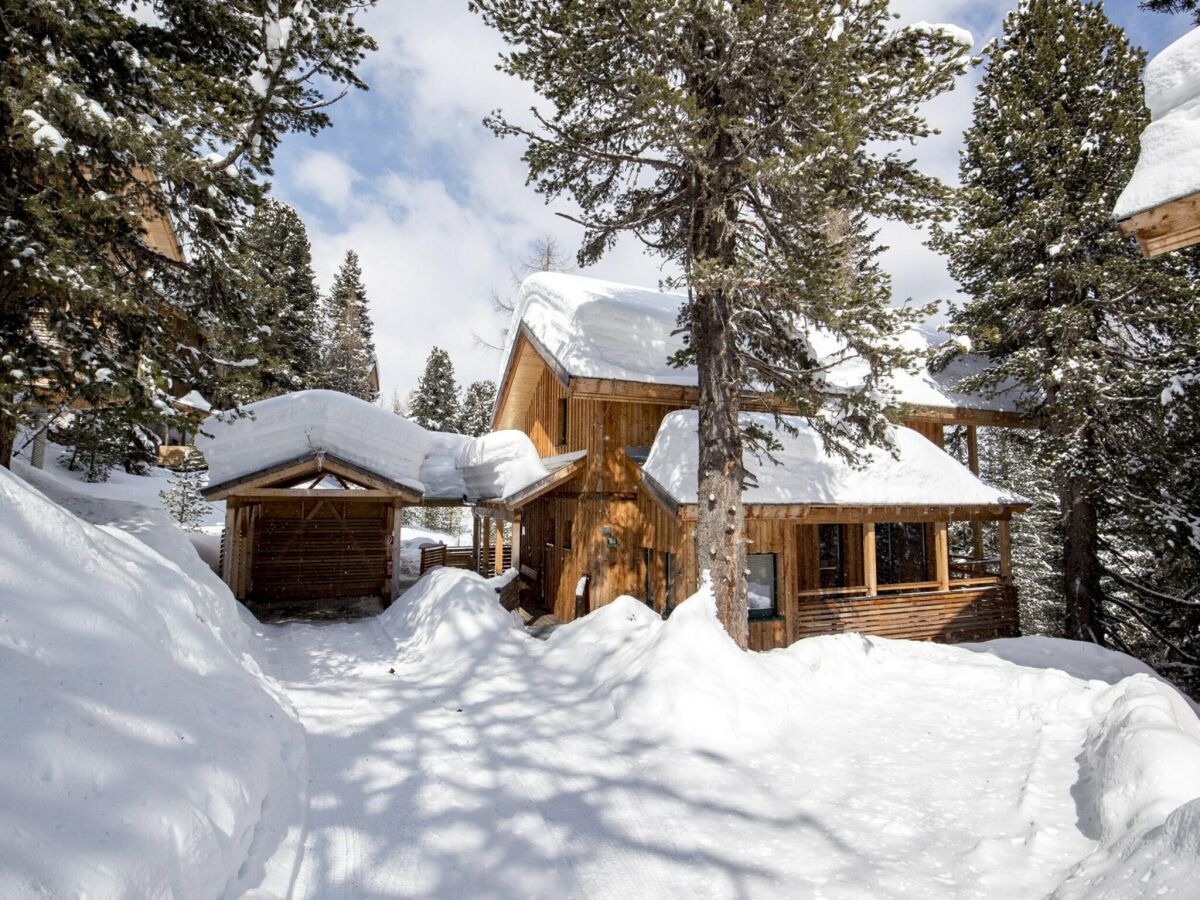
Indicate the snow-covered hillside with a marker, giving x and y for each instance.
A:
(445, 753)
(142, 753)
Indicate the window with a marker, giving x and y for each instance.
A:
(562, 422)
(901, 555)
(832, 555)
(761, 598)
(567, 529)
(648, 568)
(550, 534)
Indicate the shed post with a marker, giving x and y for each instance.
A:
(498, 567)
(476, 529)
(869, 576)
(973, 465)
(516, 541)
(486, 527)
(1005, 535)
(941, 551)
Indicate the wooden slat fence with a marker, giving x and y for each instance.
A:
(459, 558)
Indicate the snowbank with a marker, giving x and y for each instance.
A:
(451, 614)
(142, 754)
(920, 473)
(500, 464)
(601, 329)
(1168, 166)
(283, 428)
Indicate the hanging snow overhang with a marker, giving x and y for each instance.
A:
(279, 480)
(562, 469)
(1161, 204)
(921, 483)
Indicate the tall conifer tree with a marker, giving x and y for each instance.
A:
(435, 405)
(112, 122)
(476, 416)
(1067, 308)
(737, 139)
(349, 355)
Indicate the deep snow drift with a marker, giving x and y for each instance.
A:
(454, 756)
(142, 753)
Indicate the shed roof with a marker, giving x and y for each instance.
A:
(592, 329)
(304, 432)
(920, 474)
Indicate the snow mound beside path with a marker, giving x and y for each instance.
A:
(142, 752)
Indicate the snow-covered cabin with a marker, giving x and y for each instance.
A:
(1161, 204)
(314, 483)
(896, 549)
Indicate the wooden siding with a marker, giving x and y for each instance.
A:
(948, 616)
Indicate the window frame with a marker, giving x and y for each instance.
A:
(842, 570)
(564, 419)
(758, 615)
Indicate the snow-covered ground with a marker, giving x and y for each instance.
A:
(446, 754)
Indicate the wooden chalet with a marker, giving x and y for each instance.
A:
(586, 377)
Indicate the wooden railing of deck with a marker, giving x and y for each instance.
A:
(461, 558)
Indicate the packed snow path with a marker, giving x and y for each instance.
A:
(451, 758)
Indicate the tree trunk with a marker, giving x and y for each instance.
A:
(8, 436)
(720, 526)
(1081, 561)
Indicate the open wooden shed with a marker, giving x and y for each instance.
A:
(313, 527)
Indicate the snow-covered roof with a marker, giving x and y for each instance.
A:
(438, 465)
(1168, 167)
(601, 329)
(920, 475)
(194, 400)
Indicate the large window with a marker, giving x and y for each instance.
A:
(761, 598)
(901, 554)
(832, 555)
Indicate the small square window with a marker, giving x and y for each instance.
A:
(761, 596)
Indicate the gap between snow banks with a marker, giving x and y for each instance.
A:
(143, 753)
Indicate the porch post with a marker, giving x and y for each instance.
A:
(516, 541)
(1005, 551)
(485, 557)
(476, 526)
(232, 545)
(498, 568)
(941, 550)
(973, 465)
(869, 575)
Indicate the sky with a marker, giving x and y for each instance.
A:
(437, 207)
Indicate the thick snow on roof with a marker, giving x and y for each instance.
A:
(283, 428)
(441, 466)
(601, 329)
(195, 400)
(922, 474)
(1169, 165)
(500, 464)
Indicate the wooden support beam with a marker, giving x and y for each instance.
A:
(486, 556)
(973, 465)
(397, 530)
(941, 552)
(516, 542)
(869, 575)
(231, 544)
(1005, 552)
(498, 564)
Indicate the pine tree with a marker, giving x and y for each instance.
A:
(476, 416)
(111, 122)
(737, 139)
(1174, 6)
(435, 405)
(282, 330)
(181, 499)
(1065, 307)
(349, 353)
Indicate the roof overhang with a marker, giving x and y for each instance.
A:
(851, 515)
(285, 474)
(529, 356)
(1169, 226)
(563, 469)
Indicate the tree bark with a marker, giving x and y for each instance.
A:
(720, 525)
(1081, 561)
(8, 436)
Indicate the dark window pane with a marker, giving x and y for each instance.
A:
(832, 556)
(900, 553)
(761, 598)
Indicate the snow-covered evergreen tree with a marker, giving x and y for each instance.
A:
(476, 416)
(745, 142)
(283, 333)
(1175, 6)
(181, 498)
(112, 121)
(349, 353)
(1066, 307)
(435, 404)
